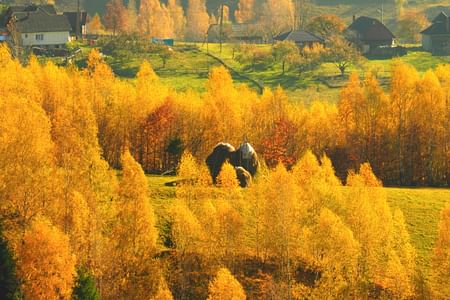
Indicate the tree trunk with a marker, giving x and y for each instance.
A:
(342, 69)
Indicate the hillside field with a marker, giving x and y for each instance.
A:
(190, 64)
(421, 208)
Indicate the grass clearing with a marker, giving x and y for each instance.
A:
(190, 65)
(421, 208)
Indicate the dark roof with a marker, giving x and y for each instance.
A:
(440, 25)
(72, 17)
(41, 22)
(371, 29)
(48, 8)
(299, 36)
(442, 17)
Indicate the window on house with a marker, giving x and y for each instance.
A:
(39, 37)
(26, 35)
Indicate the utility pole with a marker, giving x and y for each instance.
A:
(221, 27)
(77, 23)
(382, 11)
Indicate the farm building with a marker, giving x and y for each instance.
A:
(370, 34)
(37, 25)
(301, 38)
(436, 38)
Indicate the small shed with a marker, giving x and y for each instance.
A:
(301, 38)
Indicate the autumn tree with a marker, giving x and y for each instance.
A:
(302, 13)
(277, 16)
(245, 11)
(410, 24)
(116, 16)
(399, 7)
(131, 15)
(429, 138)
(179, 20)
(327, 25)
(134, 236)
(281, 211)
(440, 270)
(400, 273)
(283, 52)
(154, 20)
(163, 292)
(332, 248)
(31, 182)
(309, 58)
(46, 264)
(403, 90)
(342, 54)
(223, 110)
(227, 177)
(277, 147)
(197, 20)
(95, 24)
(225, 286)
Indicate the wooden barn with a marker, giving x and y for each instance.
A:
(436, 38)
(370, 34)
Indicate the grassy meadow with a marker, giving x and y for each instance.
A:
(421, 208)
(190, 64)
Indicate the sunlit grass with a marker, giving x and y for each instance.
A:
(421, 208)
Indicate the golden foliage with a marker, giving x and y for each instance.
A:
(225, 286)
(440, 267)
(227, 177)
(46, 263)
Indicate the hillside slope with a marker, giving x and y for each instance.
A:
(344, 8)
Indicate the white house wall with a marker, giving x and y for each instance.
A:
(50, 38)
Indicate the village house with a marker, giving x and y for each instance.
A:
(301, 38)
(37, 25)
(370, 34)
(436, 38)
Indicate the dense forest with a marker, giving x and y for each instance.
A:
(78, 219)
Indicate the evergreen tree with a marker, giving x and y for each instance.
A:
(9, 286)
(85, 288)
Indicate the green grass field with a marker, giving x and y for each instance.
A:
(189, 68)
(309, 86)
(421, 208)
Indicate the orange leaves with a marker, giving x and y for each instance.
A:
(197, 20)
(440, 275)
(227, 177)
(116, 17)
(46, 263)
(276, 148)
(245, 11)
(225, 286)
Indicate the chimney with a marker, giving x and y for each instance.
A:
(354, 18)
